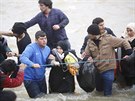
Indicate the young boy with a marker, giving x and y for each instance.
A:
(35, 56)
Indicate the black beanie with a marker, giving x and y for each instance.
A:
(93, 29)
(19, 28)
(8, 66)
(63, 45)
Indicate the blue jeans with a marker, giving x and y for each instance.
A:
(35, 88)
(104, 82)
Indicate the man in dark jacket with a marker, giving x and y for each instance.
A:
(52, 22)
(100, 22)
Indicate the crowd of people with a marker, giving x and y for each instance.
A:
(52, 49)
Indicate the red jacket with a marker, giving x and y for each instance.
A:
(7, 82)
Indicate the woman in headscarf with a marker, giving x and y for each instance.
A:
(61, 78)
(129, 34)
(128, 68)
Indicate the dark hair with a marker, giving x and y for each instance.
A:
(63, 45)
(97, 20)
(7, 95)
(46, 3)
(19, 28)
(8, 66)
(93, 29)
(39, 34)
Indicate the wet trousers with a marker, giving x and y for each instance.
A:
(104, 82)
(35, 88)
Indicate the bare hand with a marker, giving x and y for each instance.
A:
(56, 27)
(126, 56)
(10, 54)
(55, 63)
(36, 66)
(83, 55)
(90, 59)
(22, 66)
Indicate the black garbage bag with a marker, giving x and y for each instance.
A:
(119, 78)
(86, 77)
(128, 68)
(128, 71)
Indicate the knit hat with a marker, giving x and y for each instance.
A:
(19, 28)
(93, 29)
(39, 34)
(63, 45)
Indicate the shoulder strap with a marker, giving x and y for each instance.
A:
(54, 52)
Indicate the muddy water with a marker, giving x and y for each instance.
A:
(117, 14)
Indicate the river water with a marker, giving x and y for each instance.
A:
(117, 14)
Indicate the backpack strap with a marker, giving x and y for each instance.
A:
(55, 53)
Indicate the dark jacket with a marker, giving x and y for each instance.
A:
(45, 23)
(128, 66)
(132, 57)
(123, 51)
(109, 31)
(60, 79)
(3, 49)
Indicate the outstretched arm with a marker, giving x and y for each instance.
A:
(6, 33)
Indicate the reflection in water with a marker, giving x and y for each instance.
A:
(117, 14)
